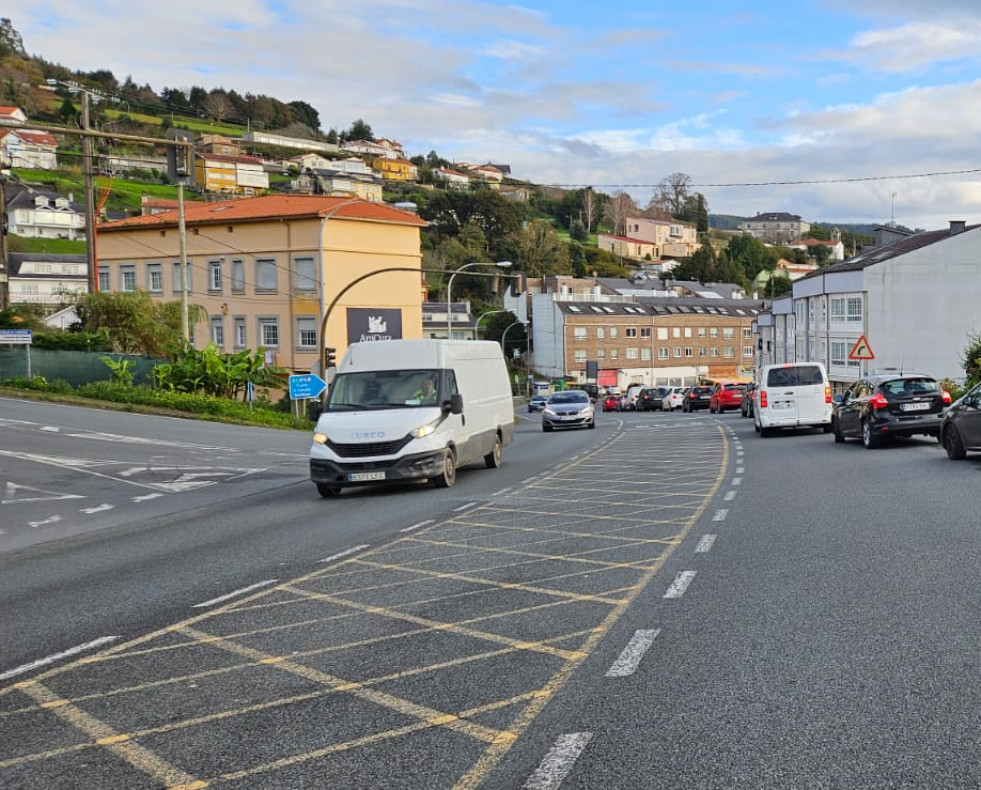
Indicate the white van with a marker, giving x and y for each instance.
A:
(630, 399)
(411, 409)
(793, 395)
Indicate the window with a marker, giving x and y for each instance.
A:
(579, 355)
(614, 354)
(728, 333)
(662, 333)
(854, 310)
(701, 351)
(713, 352)
(687, 331)
(265, 275)
(214, 276)
(747, 332)
(677, 352)
(104, 278)
(306, 332)
(645, 333)
(601, 353)
(729, 352)
(713, 331)
(630, 331)
(633, 353)
(269, 332)
(613, 331)
(579, 333)
(662, 352)
(701, 332)
(645, 353)
(600, 333)
(676, 331)
(154, 278)
(175, 278)
(689, 351)
(747, 351)
(241, 336)
(127, 278)
(218, 331)
(238, 275)
(304, 275)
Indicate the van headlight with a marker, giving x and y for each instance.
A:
(320, 438)
(424, 430)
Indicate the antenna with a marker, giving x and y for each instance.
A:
(892, 215)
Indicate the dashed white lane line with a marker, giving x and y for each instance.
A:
(705, 544)
(720, 515)
(229, 596)
(628, 661)
(502, 492)
(730, 495)
(740, 470)
(737, 481)
(464, 507)
(146, 497)
(555, 766)
(43, 662)
(52, 520)
(99, 509)
(344, 553)
(418, 526)
(680, 584)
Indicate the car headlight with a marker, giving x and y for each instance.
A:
(549, 412)
(424, 430)
(320, 438)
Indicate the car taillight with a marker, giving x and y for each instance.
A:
(762, 399)
(827, 394)
(945, 396)
(879, 401)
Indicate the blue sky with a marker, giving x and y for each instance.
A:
(617, 95)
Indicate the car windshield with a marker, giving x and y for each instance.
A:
(384, 389)
(569, 397)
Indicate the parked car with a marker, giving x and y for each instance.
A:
(674, 398)
(726, 395)
(630, 397)
(792, 395)
(885, 405)
(960, 427)
(697, 398)
(537, 402)
(611, 402)
(650, 398)
(746, 407)
(568, 409)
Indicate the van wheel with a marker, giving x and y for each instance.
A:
(447, 477)
(327, 491)
(493, 459)
(766, 433)
(869, 439)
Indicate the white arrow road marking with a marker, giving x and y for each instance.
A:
(344, 553)
(43, 662)
(243, 591)
(11, 496)
(52, 520)
(556, 765)
(101, 508)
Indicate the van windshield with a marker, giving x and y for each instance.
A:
(794, 376)
(385, 389)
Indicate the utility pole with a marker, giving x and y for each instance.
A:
(182, 242)
(90, 256)
(4, 267)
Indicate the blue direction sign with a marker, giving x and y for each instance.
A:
(306, 386)
(17, 337)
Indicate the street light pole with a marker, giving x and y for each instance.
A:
(449, 290)
(476, 324)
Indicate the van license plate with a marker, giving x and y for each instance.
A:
(363, 477)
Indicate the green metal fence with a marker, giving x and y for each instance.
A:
(75, 367)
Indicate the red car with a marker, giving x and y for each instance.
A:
(612, 403)
(727, 395)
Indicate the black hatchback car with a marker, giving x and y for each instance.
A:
(650, 399)
(960, 428)
(697, 398)
(884, 405)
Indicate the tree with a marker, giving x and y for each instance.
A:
(751, 255)
(306, 114)
(359, 131)
(67, 111)
(134, 323)
(618, 208)
(971, 360)
(540, 250)
(10, 41)
(672, 192)
(590, 208)
(218, 106)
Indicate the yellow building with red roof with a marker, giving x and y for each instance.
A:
(264, 269)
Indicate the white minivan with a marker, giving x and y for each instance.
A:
(401, 410)
(792, 395)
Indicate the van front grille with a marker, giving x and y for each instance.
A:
(368, 448)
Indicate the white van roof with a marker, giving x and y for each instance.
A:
(426, 353)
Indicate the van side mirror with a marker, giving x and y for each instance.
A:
(314, 410)
(456, 403)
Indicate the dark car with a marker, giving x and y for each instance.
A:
(885, 405)
(697, 398)
(537, 402)
(726, 395)
(960, 428)
(746, 407)
(568, 409)
(611, 402)
(651, 398)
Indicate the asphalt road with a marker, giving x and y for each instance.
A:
(668, 601)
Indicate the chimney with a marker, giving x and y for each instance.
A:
(957, 226)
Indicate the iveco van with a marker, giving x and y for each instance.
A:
(793, 395)
(401, 410)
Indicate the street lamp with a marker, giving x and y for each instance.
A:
(476, 324)
(449, 290)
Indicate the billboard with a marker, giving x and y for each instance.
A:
(365, 324)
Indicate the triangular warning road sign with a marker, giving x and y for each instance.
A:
(861, 350)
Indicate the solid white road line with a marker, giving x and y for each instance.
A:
(628, 661)
(705, 544)
(243, 591)
(464, 507)
(558, 762)
(680, 584)
(720, 515)
(43, 662)
(417, 526)
(502, 492)
(344, 553)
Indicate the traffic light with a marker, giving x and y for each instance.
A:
(331, 359)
